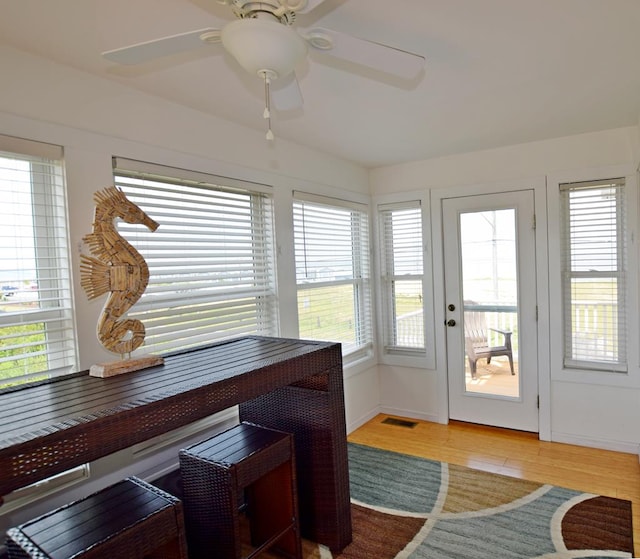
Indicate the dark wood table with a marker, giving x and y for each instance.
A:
(292, 385)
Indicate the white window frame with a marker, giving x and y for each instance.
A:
(52, 288)
(579, 374)
(574, 272)
(391, 277)
(200, 309)
(427, 358)
(361, 279)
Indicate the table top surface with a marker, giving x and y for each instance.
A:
(34, 410)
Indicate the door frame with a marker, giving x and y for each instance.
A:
(519, 411)
(538, 185)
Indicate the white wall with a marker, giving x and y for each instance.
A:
(410, 392)
(598, 413)
(609, 147)
(361, 394)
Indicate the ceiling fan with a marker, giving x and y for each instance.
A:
(264, 42)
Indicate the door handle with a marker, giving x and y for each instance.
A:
(451, 322)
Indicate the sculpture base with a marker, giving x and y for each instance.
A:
(114, 368)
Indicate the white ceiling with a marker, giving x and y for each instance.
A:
(498, 72)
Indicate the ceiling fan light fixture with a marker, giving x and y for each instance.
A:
(261, 45)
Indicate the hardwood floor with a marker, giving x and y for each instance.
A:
(516, 454)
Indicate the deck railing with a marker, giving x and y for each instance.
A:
(591, 319)
(410, 329)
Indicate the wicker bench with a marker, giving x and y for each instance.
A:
(246, 468)
(130, 519)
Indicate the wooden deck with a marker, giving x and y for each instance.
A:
(494, 378)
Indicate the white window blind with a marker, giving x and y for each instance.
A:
(401, 264)
(37, 338)
(211, 260)
(332, 273)
(594, 274)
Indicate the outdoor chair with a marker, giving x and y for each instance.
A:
(476, 339)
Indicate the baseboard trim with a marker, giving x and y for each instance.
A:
(591, 442)
(410, 414)
(353, 425)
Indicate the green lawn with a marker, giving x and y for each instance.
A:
(21, 365)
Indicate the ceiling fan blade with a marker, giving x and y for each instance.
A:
(150, 50)
(379, 57)
(286, 94)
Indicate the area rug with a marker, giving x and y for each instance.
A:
(409, 507)
(405, 506)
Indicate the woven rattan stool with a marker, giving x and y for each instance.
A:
(245, 465)
(130, 519)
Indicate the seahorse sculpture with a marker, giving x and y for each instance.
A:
(115, 267)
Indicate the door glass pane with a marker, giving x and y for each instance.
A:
(490, 294)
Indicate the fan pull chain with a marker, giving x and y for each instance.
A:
(267, 108)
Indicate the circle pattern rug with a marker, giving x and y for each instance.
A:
(404, 506)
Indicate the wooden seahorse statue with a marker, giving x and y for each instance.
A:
(116, 267)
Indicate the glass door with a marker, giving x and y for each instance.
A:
(490, 295)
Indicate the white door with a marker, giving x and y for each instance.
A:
(490, 289)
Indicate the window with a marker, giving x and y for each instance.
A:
(211, 260)
(36, 318)
(401, 265)
(332, 273)
(594, 274)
